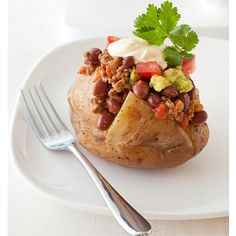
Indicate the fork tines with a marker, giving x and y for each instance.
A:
(43, 116)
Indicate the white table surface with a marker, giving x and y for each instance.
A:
(35, 27)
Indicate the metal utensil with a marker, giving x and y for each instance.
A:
(54, 135)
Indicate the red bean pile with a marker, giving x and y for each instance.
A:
(141, 90)
(108, 107)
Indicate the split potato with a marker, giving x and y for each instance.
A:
(135, 138)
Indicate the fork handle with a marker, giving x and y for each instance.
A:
(128, 218)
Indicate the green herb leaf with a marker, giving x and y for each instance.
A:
(157, 24)
(152, 36)
(149, 19)
(183, 37)
(188, 56)
(168, 16)
(172, 56)
(148, 26)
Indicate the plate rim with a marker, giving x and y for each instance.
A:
(83, 207)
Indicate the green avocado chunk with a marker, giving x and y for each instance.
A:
(174, 77)
(159, 82)
(133, 77)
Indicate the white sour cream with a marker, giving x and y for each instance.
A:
(139, 48)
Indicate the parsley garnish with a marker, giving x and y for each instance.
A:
(161, 23)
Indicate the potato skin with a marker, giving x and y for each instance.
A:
(135, 138)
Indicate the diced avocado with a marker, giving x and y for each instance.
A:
(159, 82)
(173, 72)
(133, 77)
(183, 85)
(174, 77)
(178, 79)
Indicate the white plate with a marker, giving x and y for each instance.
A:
(197, 189)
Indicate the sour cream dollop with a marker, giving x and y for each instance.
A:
(140, 49)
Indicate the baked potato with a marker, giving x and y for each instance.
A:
(134, 102)
(135, 137)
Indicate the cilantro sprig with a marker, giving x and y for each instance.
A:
(159, 24)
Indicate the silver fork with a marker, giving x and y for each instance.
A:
(54, 135)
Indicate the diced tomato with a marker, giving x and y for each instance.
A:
(146, 69)
(188, 67)
(160, 112)
(111, 39)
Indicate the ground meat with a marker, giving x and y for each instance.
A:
(102, 70)
(113, 71)
(118, 78)
(121, 85)
(104, 57)
(179, 116)
(119, 88)
(169, 104)
(121, 73)
(112, 66)
(179, 106)
(114, 95)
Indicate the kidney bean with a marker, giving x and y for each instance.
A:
(184, 97)
(169, 92)
(104, 120)
(91, 57)
(113, 105)
(199, 118)
(191, 93)
(100, 89)
(141, 89)
(128, 62)
(153, 99)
